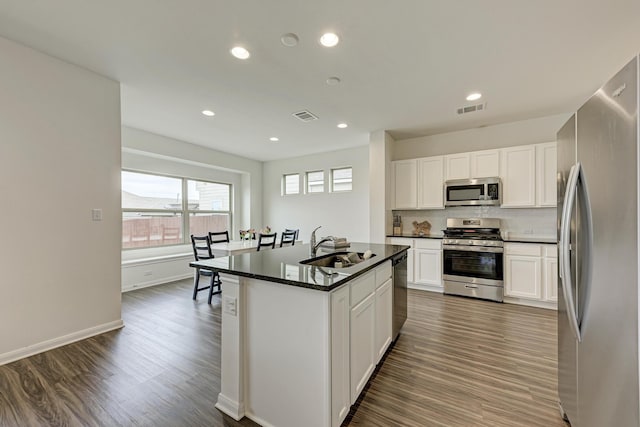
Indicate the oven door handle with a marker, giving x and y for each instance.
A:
(495, 250)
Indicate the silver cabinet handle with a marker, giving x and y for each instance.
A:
(471, 286)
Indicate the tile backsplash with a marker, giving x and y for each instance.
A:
(538, 221)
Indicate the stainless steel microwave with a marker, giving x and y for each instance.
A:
(473, 192)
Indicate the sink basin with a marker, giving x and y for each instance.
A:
(336, 260)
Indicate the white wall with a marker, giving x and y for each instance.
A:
(522, 132)
(147, 152)
(340, 214)
(59, 159)
(380, 152)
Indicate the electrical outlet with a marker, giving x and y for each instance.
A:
(528, 231)
(230, 305)
(96, 214)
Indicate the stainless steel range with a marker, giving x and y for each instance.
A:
(472, 252)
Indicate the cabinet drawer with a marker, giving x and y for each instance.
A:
(400, 241)
(523, 249)
(428, 244)
(362, 287)
(550, 251)
(383, 273)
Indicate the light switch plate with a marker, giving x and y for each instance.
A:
(230, 305)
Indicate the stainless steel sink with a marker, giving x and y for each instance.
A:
(337, 260)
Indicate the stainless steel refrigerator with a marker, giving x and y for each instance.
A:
(598, 257)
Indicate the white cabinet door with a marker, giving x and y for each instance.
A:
(362, 344)
(518, 173)
(340, 393)
(431, 182)
(405, 184)
(384, 319)
(428, 266)
(546, 171)
(551, 279)
(457, 166)
(485, 164)
(410, 266)
(523, 277)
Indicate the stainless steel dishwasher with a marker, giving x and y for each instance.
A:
(399, 263)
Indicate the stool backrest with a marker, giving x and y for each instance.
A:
(201, 247)
(267, 240)
(218, 236)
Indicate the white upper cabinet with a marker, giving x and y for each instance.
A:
(518, 173)
(404, 180)
(485, 164)
(546, 173)
(431, 182)
(457, 166)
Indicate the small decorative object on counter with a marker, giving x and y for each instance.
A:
(266, 230)
(397, 225)
(421, 228)
(247, 234)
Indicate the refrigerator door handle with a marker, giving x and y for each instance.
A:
(564, 252)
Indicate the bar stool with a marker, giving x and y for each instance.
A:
(201, 251)
(267, 241)
(288, 237)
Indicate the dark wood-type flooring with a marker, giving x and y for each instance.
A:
(458, 362)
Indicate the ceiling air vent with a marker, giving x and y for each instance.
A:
(305, 116)
(472, 108)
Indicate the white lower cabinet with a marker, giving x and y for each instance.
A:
(424, 262)
(523, 277)
(550, 268)
(427, 262)
(362, 344)
(530, 274)
(384, 318)
(340, 393)
(361, 332)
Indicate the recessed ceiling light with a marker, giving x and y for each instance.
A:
(208, 113)
(474, 96)
(342, 125)
(329, 39)
(289, 39)
(332, 81)
(240, 52)
(274, 139)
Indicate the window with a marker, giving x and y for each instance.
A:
(208, 207)
(315, 182)
(341, 179)
(156, 210)
(291, 184)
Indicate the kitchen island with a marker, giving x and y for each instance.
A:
(299, 342)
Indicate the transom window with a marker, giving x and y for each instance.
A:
(291, 184)
(157, 209)
(341, 179)
(315, 182)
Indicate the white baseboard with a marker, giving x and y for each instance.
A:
(549, 305)
(230, 407)
(155, 282)
(21, 353)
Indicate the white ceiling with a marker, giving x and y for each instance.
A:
(405, 66)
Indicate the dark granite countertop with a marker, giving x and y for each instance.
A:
(282, 265)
